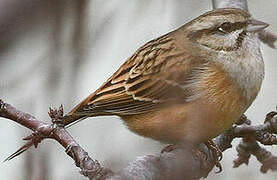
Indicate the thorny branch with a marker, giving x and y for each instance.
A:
(187, 161)
(265, 134)
(56, 131)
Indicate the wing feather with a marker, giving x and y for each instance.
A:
(157, 73)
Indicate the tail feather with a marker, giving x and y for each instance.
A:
(70, 120)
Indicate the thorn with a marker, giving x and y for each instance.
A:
(28, 137)
(19, 151)
(33, 139)
(217, 154)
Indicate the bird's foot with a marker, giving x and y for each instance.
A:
(168, 148)
(188, 145)
(217, 154)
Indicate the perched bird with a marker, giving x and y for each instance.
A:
(188, 85)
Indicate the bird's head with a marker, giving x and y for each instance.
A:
(223, 29)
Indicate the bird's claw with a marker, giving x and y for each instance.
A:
(270, 115)
(168, 148)
(217, 154)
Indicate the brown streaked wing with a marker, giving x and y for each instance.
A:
(153, 75)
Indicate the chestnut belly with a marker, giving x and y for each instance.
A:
(196, 122)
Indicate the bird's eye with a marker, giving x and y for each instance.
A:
(225, 27)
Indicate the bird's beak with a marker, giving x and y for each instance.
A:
(255, 25)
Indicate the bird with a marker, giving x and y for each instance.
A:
(188, 85)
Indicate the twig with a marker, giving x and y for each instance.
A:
(41, 130)
(268, 38)
(248, 146)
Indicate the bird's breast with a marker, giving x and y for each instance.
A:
(245, 66)
(219, 106)
(220, 102)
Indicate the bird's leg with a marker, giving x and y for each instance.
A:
(216, 152)
(171, 147)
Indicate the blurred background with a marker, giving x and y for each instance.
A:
(59, 51)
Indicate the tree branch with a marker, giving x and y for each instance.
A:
(241, 4)
(56, 131)
(187, 161)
